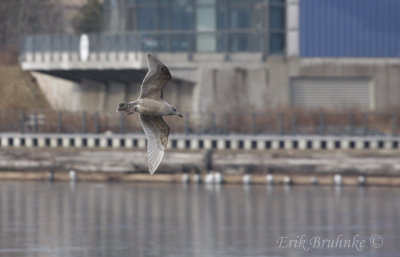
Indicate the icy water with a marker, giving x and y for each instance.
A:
(88, 219)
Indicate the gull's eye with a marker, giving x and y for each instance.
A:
(174, 109)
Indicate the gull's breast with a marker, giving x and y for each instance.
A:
(152, 107)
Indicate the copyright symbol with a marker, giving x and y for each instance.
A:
(376, 241)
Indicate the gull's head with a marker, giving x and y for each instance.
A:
(175, 112)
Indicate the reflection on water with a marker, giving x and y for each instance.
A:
(87, 219)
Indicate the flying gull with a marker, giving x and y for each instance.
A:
(151, 106)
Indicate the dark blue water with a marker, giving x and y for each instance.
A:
(88, 219)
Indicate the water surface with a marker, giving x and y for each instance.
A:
(124, 219)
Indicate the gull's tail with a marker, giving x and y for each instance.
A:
(126, 108)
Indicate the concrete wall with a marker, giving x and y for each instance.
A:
(62, 94)
(384, 74)
(245, 82)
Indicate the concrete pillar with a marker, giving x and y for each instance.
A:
(181, 144)
(41, 142)
(90, 142)
(53, 142)
(115, 94)
(91, 96)
(292, 28)
(116, 142)
(133, 90)
(194, 144)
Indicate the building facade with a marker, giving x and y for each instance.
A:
(265, 54)
(201, 25)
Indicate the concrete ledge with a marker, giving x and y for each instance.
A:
(279, 179)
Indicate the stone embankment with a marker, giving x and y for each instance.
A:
(302, 167)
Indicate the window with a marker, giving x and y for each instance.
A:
(277, 36)
(239, 42)
(146, 18)
(276, 43)
(146, 2)
(240, 18)
(276, 17)
(181, 18)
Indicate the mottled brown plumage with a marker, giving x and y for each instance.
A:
(152, 106)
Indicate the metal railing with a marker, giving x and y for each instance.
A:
(238, 40)
(273, 123)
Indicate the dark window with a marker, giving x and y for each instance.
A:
(163, 22)
(295, 144)
(180, 2)
(222, 18)
(277, 17)
(47, 141)
(146, 2)
(277, 27)
(180, 43)
(122, 142)
(277, 43)
(146, 18)
(239, 42)
(181, 18)
(240, 18)
(227, 144)
(131, 19)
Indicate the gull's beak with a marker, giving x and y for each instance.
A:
(180, 115)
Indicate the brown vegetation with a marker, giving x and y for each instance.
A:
(19, 90)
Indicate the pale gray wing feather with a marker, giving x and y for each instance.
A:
(157, 76)
(157, 132)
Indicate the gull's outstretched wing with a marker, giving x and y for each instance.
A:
(157, 132)
(155, 79)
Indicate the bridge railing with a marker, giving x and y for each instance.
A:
(287, 122)
(238, 40)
